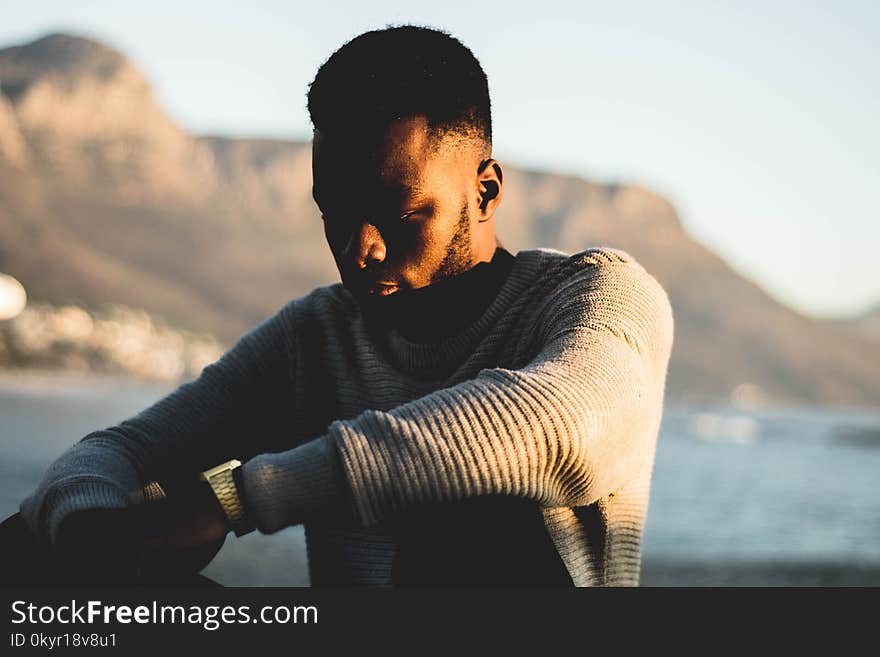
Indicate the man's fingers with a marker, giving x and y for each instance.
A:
(190, 517)
(151, 522)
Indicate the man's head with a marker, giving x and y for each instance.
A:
(402, 163)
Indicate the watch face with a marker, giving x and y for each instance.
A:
(223, 467)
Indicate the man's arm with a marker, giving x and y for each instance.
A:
(566, 429)
(234, 408)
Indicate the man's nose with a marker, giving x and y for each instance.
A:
(366, 245)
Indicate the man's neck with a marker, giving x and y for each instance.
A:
(434, 312)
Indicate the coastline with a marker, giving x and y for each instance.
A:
(663, 573)
(66, 382)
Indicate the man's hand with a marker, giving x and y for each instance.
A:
(97, 547)
(190, 517)
(149, 540)
(183, 532)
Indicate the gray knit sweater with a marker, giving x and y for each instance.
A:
(553, 395)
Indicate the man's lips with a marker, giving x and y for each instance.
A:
(365, 285)
(382, 289)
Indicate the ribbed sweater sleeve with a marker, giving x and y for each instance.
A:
(231, 410)
(569, 427)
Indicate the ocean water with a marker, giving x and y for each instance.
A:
(785, 485)
(778, 487)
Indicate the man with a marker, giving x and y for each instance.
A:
(449, 413)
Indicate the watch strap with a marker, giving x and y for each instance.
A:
(223, 484)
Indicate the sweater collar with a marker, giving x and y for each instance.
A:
(439, 358)
(432, 313)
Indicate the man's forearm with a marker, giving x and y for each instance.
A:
(234, 409)
(291, 487)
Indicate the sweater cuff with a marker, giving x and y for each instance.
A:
(288, 488)
(44, 511)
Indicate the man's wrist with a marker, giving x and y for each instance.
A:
(295, 486)
(238, 478)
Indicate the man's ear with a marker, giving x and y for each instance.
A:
(489, 187)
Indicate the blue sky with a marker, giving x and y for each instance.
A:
(757, 119)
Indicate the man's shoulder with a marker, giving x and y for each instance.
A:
(318, 307)
(607, 289)
(602, 256)
(330, 298)
(612, 272)
(324, 312)
(564, 271)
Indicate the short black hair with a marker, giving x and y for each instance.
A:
(400, 72)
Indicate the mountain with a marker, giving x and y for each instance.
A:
(104, 200)
(865, 324)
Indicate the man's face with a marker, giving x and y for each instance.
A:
(401, 211)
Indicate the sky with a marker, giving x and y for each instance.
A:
(758, 120)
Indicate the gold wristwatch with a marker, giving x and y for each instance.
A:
(223, 484)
